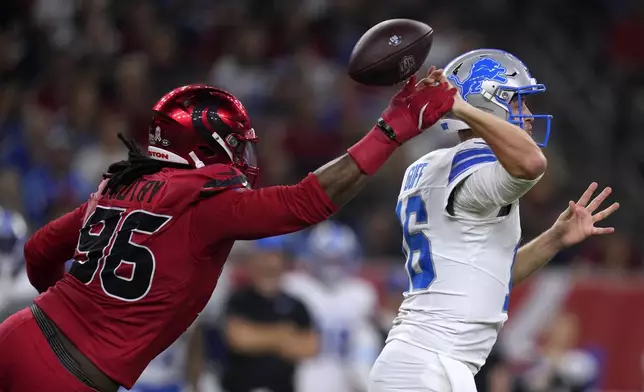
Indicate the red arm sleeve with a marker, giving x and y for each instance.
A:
(245, 214)
(50, 247)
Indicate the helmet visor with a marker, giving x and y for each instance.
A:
(249, 153)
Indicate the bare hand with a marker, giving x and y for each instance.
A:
(436, 76)
(577, 222)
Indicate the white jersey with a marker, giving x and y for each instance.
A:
(349, 342)
(459, 255)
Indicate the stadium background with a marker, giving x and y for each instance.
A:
(73, 73)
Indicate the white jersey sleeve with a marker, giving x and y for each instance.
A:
(478, 185)
(488, 189)
(468, 158)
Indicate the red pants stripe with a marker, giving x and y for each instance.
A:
(27, 363)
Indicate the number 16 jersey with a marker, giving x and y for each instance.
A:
(459, 267)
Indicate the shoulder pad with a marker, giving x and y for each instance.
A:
(472, 143)
(188, 186)
(222, 177)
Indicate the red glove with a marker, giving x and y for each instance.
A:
(412, 110)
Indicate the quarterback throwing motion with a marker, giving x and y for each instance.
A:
(459, 210)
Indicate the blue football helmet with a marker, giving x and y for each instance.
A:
(489, 79)
(332, 251)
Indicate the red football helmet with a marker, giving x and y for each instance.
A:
(199, 125)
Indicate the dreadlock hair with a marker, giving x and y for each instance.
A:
(125, 173)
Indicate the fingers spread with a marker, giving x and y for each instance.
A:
(603, 230)
(585, 197)
(599, 199)
(605, 213)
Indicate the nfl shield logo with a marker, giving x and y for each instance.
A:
(406, 66)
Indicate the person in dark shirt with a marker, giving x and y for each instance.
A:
(267, 331)
(494, 376)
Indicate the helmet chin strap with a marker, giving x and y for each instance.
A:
(198, 163)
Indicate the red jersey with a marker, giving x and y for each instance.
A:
(147, 259)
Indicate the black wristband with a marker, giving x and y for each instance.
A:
(384, 127)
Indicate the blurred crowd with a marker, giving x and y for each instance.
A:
(74, 73)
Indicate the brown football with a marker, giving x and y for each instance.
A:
(390, 52)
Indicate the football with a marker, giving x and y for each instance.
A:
(390, 52)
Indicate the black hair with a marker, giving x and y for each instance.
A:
(125, 173)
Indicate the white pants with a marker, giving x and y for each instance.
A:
(403, 367)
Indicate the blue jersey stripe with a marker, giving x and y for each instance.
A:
(470, 152)
(469, 163)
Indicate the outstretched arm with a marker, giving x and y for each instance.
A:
(250, 214)
(574, 225)
(341, 179)
(413, 109)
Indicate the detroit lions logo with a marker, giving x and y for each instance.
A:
(482, 70)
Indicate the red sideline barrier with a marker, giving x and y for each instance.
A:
(611, 316)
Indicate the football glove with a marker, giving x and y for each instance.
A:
(413, 109)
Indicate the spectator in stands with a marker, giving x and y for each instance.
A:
(92, 160)
(267, 331)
